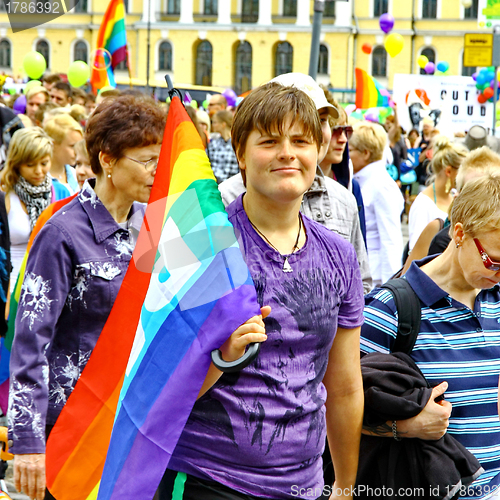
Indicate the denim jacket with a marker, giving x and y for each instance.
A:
(328, 203)
(74, 271)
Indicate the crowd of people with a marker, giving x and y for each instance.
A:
(318, 216)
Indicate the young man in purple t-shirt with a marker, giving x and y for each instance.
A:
(260, 433)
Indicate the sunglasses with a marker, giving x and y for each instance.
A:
(338, 131)
(488, 263)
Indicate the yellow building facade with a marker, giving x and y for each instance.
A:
(243, 43)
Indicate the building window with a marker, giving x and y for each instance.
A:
(165, 56)
(80, 52)
(379, 62)
(284, 59)
(250, 11)
(290, 8)
(429, 9)
(380, 7)
(243, 70)
(467, 70)
(323, 60)
(81, 6)
(329, 9)
(472, 11)
(430, 54)
(43, 47)
(5, 54)
(210, 7)
(174, 7)
(204, 63)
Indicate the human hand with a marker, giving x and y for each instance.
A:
(339, 493)
(29, 475)
(431, 423)
(252, 330)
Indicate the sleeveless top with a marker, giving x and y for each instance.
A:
(20, 230)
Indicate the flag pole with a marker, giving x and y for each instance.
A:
(148, 46)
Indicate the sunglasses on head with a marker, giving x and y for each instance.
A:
(488, 263)
(346, 129)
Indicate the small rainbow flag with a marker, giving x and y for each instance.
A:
(369, 92)
(6, 344)
(186, 290)
(112, 37)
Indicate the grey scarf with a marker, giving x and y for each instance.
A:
(36, 198)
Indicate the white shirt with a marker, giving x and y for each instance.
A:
(384, 204)
(423, 210)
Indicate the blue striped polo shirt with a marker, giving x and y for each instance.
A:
(456, 345)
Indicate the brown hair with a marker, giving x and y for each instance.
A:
(51, 78)
(342, 114)
(225, 116)
(267, 109)
(120, 123)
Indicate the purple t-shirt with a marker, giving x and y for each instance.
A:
(262, 430)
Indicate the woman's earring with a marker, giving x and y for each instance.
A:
(109, 176)
(458, 243)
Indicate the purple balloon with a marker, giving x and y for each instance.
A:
(230, 96)
(430, 67)
(386, 23)
(20, 105)
(474, 76)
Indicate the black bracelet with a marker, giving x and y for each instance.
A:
(395, 431)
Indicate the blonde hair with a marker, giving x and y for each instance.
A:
(225, 116)
(369, 136)
(475, 164)
(203, 117)
(445, 153)
(477, 206)
(59, 126)
(37, 90)
(28, 145)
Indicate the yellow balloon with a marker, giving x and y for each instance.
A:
(466, 3)
(394, 44)
(422, 61)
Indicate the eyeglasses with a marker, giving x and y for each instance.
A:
(149, 165)
(347, 130)
(488, 263)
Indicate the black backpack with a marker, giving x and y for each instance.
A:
(409, 314)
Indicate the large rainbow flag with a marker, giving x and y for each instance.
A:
(112, 37)
(186, 290)
(369, 92)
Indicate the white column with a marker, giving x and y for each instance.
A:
(343, 14)
(149, 10)
(303, 13)
(265, 13)
(224, 12)
(186, 12)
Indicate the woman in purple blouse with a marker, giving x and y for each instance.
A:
(73, 274)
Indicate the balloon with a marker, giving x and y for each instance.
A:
(34, 64)
(430, 68)
(350, 108)
(481, 99)
(78, 73)
(205, 103)
(372, 116)
(239, 100)
(386, 23)
(30, 85)
(230, 96)
(357, 115)
(394, 44)
(194, 104)
(366, 48)
(474, 76)
(443, 66)
(20, 105)
(488, 93)
(467, 3)
(422, 61)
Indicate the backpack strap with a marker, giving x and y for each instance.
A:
(409, 311)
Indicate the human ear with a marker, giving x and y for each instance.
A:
(106, 161)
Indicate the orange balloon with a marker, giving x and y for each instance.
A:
(488, 92)
(366, 48)
(481, 99)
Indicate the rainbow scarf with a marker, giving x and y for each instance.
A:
(369, 92)
(112, 37)
(186, 290)
(6, 344)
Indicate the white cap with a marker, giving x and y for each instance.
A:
(307, 84)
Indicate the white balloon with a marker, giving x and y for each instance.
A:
(466, 3)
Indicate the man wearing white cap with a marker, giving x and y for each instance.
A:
(326, 201)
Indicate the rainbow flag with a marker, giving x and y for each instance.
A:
(369, 92)
(112, 37)
(6, 344)
(186, 290)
